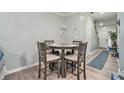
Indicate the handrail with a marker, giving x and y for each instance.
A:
(96, 32)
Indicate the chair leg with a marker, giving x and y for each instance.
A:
(45, 72)
(84, 71)
(67, 65)
(53, 65)
(39, 70)
(72, 65)
(65, 69)
(58, 69)
(78, 75)
(50, 66)
(84, 75)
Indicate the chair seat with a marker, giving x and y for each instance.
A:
(49, 51)
(76, 52)
(52, 57)
(72, 57)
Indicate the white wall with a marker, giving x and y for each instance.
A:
(76, 29)
(106, 28)
(20, 31)
(84, 31)
(121, 53)
(91, 35)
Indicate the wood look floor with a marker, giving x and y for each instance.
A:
(91, 73)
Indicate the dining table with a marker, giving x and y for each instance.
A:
(63, 47)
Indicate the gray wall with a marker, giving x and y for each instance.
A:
(19, 33)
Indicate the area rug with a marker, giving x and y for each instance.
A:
(100, 60)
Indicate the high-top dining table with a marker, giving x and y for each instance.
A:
(63, 47)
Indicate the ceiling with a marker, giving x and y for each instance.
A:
(107, 18)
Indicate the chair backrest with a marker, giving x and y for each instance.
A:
(49, 42)
(41, 51)
(76, 42)
(82, 52)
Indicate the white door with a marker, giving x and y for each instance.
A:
(103, 35)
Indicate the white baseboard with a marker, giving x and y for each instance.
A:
(2, 73)
(118, 66)
(93, 52)
(20, 68)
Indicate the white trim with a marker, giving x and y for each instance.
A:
(70, 14)
(20, 68)
(2, 73)
(118, 66)
(60, 14)
(65, 15)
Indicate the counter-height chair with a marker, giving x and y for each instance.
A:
(54, 51)
(47, 42)
(50, 51)
(74, 51)
(76, 43)
(78, 59)
(46, 59)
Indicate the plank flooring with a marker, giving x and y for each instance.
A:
(92, 74)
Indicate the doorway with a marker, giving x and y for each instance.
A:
(103, 35)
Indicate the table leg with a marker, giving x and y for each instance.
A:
(63, 63)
